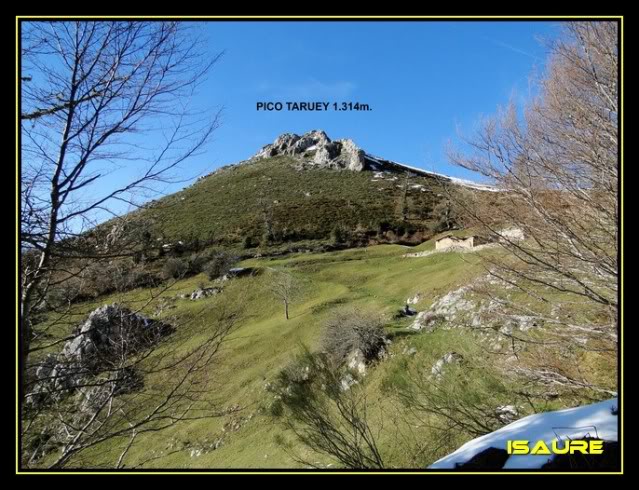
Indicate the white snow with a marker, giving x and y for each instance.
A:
(455, 180)
(594, 420)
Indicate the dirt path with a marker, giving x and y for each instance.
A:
(426, 253)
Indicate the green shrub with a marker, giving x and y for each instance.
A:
(219, 264)
(197, 262)
(174, 268)
(248, 242)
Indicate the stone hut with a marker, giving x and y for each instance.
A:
(448, 242)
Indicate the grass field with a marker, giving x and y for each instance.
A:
(262, 343)
(376, 278)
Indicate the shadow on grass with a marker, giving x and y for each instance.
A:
(404, 332)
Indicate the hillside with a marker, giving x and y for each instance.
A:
(252, 433)
(291, 192)
(263, 343)
(312, 307)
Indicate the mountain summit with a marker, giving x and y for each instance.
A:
(307, 188)
(315, 149)
(319, 150)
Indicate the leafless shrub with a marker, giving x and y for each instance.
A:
(324, 416)
(352, 330)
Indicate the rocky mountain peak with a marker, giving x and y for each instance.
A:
(318, 150)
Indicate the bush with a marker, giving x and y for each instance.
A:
(248, 242)
(139, 278)
(297, 372)
(338, 235)
(219, 264)
(174, 268)
(324, 416)
(197, 263)
(106, 277)
(351, 330)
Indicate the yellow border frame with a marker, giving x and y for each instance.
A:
(313, 17)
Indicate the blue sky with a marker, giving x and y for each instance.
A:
(423, 80)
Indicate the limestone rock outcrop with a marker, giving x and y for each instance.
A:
(318, 150)
(94, 360)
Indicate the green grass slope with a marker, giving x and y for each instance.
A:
(377, 278)
(234, 202)
(262, 343)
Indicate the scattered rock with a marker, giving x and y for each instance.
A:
(409, 351)
(507, 413)
(414, 300)
(347, 381)
(449, 358)
(425, 320)
(356, 362)
(200, 293)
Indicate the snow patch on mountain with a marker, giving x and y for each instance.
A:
(463, 182)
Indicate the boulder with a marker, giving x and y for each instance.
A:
(507, 413)
(54, 379)
(356, 362)
(425, 320)
(111, 331)
(108, 335)
(352, 156)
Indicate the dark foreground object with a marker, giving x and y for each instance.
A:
(489, 459)
(495, 459)
(609, 460)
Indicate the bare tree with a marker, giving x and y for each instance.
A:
(327, 416)
(285, 287)
(94, 97)
(556, 165)
(106, 121)
(118, 385)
